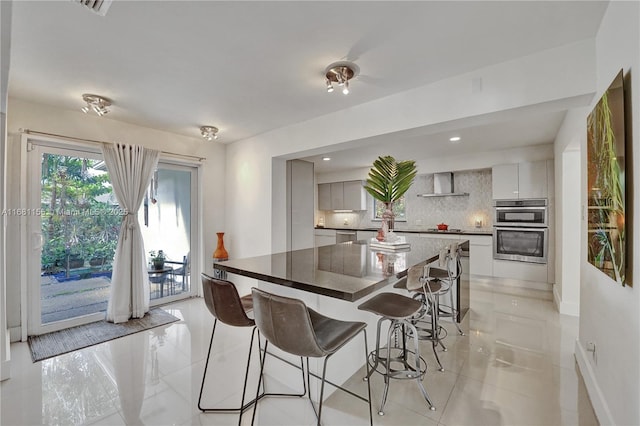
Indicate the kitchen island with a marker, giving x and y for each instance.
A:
(330, 279)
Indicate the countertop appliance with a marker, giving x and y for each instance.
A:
(520, 230)
(345, 236)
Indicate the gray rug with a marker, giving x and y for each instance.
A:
(63, 341)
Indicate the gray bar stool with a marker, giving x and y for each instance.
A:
(429, 284)
(225, 304)
(296, 329)
(399, 310)
(447, 276)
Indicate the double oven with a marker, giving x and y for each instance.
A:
(520, 230)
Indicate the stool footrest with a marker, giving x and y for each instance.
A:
(407, 366)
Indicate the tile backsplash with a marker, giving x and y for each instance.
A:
(424, 213)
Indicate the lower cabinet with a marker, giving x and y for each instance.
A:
(324, 237)
(520, 270)
(366, 235)
(481, 258)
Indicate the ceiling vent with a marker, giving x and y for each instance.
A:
(96, 6)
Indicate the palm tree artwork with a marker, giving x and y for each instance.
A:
(606, 184)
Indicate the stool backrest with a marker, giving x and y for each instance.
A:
(415, 276)
(454, 255)
(285, 323)
(223, 301)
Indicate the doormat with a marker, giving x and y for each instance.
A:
(82, 336)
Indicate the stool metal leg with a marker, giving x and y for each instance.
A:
(392, 328)
(435, 329)
(454, 314)
(242, 406)
(377, 356)
(419, 377)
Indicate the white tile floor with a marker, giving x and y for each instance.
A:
(515, 367)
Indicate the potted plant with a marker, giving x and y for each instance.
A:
(388, 181)
(157, 259)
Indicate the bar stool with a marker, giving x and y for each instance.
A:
(399, 310)
(222, 299)
(429, 284)
(296, 329)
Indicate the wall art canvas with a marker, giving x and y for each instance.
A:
(606, 183)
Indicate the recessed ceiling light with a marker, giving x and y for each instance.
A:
(454, 139)
(326, 158)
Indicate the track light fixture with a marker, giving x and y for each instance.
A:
(340, 73)
(96, 103)
(209, 132)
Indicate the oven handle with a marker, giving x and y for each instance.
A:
(520, 228)
(521, 208)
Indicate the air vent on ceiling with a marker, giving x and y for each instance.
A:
(96, 6)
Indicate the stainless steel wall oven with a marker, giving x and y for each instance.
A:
(520, 230)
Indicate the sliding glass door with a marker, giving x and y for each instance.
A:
(73, 221)
(167, 219)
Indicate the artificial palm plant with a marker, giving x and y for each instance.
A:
(389, 180)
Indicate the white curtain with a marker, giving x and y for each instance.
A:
(130, 169)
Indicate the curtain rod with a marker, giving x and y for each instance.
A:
(35, 132)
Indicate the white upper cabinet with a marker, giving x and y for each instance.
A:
(523, 180)
(504, 180)
(532, 179)
(342, 196)
(354, 196)
(324, 196)
(337, 196)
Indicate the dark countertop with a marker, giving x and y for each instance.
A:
(481, 231)
(347, 271)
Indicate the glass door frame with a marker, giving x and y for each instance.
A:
(31, 242)
(194, 240)
(35, 148)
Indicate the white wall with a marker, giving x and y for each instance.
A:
(27, 115)
(5, 48)
(571, 136)
(610, 313)
(555, 76)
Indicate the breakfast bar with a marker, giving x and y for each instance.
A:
(330, 279)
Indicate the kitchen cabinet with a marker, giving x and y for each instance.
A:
(348, 195)
(522, 180)
(324, 237)
(481, 255)
(324, 196)
(532, 180)
(504, 181)
(337, 196)
(525, 271)
(354, 196)
(366, 235)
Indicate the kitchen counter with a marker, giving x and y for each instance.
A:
(469, 231)
(347, 271)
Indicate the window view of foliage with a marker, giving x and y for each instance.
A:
(398, 209)
(79, 223)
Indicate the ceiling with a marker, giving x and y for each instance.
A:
(250, 67)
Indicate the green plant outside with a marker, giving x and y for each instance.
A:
(75, 225)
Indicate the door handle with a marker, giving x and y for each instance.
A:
(36, 240)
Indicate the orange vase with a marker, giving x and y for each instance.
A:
(221, 252)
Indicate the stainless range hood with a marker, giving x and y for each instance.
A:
(443, 186)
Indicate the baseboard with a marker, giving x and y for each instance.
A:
(5, 370)
(565, 308)
(596, 396)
